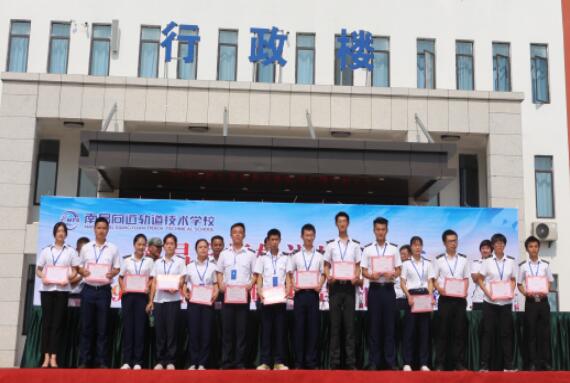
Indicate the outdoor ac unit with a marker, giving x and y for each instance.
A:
(545, 231)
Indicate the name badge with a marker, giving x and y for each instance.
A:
(275, 281)
(233, 274)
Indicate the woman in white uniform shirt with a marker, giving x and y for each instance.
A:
(53, 294)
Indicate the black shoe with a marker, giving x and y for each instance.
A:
(546, 367)
(394, 368)
(372, 367)
(440, 367)
(103, 366)
(460, 367)
(483, 368)
(335, 367)
(532, 367)
(82, 365)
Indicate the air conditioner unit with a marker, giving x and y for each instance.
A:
(545, 231)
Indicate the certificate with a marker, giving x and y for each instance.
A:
(536, 285)
(235, 294)
(455, 287)
(307, 279)
(501, 290)
(383, 264)
(343, 271)
(422, 303)
(167, 282)
(274, 295)
(202, 295)
(56, 275)
(136, 283)
(98, 272)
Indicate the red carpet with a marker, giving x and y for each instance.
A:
(251, 376)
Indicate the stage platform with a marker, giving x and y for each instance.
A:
(32, 375)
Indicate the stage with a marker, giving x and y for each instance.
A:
(297, 376)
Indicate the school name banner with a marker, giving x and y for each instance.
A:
(192, 220)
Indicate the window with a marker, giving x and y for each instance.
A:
(305, 59)
(344, 77)
(187, 71)
(501, 67)
(468, 180)
(426, 63)
(464, 65)
(381, 63)
(86, 187)
(148, 52)
(58, 48)
(18, 44)
(543, 179)
(265, 73)
(46, 169)
(227, 55)
(100, 50)
(539, 72)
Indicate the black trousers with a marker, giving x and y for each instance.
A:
(382, 311)
(497, 317)
(416, 326)
(216, 349)
(307, 325)
(200, 333)
(477, 306)
(341, 311)
(166, 330)
(537, 331)
(133, 307)
(54, 312)
(452, 327)
(234, 335)
(273, 333)
(95, 307)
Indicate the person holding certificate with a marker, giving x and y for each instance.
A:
(307, 269)
(497, 279)
(417, 283)
(381, 264)
(486, 249)
(451, 281)
(342, 268)
(164, 300)
(134, 280)
(235, 279)
(534, 282)
(100, 263)
(273, 283)
(57, 265)
(201, 291)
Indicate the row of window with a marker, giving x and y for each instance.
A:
(149, 52)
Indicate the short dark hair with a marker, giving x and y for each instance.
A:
(237, 224)
(485, 242)
(200, 240)
(341, 214)
(447, 233)
(139, 236)
(416, 238)
(531, 239)
(380, 221)
(308, 227)
(81, 241)
(57, 226)
(498, 237)
(273, 232)
(101, 219)
(406, 247)
(170, 235)
(215, 237)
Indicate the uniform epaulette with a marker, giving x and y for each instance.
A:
(368, 244)
(425, 259)
(462, 255)
(522, 263)
(547, 262)
(286, 253)
(250, 249)
(513, 258)
(181, 257)
(406, 260)
(393, 244)
(329, 241)
(439, 256)
(478, 261)
(295, 251)
(355, 241)
(126, 256)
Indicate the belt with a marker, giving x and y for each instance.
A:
(97, 287)
(381, 284)
(536, 299)
(421, 291)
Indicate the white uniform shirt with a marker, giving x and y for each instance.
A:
(478, 294)
(416, 274)
(305, 260)
(446, 266)
(398, 289)
(270, 266)
(243, 261)
(493, 269)
(201, 273)
(132, 265)
(541, 268)
(339, 251)
(375, 250)
(106, 254)
(175, 266)
(50, 256)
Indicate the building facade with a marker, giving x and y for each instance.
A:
(464, 104)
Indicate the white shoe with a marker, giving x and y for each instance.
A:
(513, 370)
(170, 366)
(200, 367)
(407, 367)
(192, 367)
(125, 367)
(425, 368)
(158, 367)
(137, 367)
(280, 366)
(263, 367)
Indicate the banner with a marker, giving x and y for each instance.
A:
(192, 220)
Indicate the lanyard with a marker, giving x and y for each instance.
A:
(100, 252)
(342, 255)
(135, 265)
(383, 251)
(274, 263)
(537, 268)
(501, 271)
(169, 267)
(454, 266)
(417, 272)
(56, 258)
(305, 259)
(204, 273)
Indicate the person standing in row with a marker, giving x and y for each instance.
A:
(57, 265)
(164, 300)
(134, 280)
(200, 274)
(536, 308)
(381, 296)
(100, 263)
(342, 251)
(486, 249)
(155, 248)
